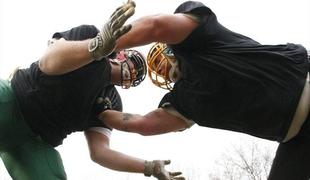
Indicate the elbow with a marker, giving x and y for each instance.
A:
(100, 161)
(97, 153)
(98, 158)
(46, 65)
(95, 156)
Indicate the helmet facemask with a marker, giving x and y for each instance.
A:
(162, 66)
(131, 76)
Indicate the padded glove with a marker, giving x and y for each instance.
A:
(157, 169)
(104, 43)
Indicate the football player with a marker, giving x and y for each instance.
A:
(222, 79)
(64, 92)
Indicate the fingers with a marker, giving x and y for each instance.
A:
(120, 16)
(173, 176)
(129, 3)
(123, 30)
(175, 173)
(166, 162)
(126, 10)
(178, 178)
(120, 19)
(161, 173)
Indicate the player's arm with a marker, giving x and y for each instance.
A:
(165, 28)
(155, 122)
(101, 153)
(64, 56)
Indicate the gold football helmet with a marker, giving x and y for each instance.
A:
(162, 66)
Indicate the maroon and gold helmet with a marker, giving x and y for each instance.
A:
(162, 66)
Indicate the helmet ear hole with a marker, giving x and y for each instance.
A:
(160, 60)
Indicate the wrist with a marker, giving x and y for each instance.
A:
(94, 47)
(148, 168)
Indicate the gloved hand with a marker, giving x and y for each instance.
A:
(104, 43)
(157, 169)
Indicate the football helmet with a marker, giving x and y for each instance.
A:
(131, 76)
(162, 66)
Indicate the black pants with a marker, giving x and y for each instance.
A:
(292, 160)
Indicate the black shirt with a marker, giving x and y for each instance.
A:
(230, 81)
(55, 106)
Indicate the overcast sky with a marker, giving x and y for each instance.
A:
(25, 27)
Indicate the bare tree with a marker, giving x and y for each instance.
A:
(250, 161)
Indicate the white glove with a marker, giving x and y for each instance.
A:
(157, 169)
(104, 43)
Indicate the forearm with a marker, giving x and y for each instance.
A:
(65, 56)
(153, 123)
(120, 162)
(101, 153)
(119, 120)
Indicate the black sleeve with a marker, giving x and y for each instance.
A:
(165, 99)
(194, 7)
(81, 32)
(109, 98)
(96, 122)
